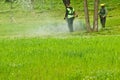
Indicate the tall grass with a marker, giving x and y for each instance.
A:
(83, 58)
(76, 56)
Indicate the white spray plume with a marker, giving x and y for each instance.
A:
(53, 27)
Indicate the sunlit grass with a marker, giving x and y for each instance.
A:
(66, 56)
(64, 59)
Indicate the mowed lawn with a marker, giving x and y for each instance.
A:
(66, 58)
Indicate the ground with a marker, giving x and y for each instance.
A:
(38, 46)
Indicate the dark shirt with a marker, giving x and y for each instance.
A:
(68, 13)
(103, 12)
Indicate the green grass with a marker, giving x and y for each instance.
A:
(74, 58)
(66, 56)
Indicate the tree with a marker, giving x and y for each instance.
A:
(87, 16)
(10, 0)
(7, 0)
(95, 23)
(12, 15)
(95, 18)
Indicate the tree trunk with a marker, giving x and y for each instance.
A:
(87, 16)
(95, 23)
(32, 3)
(11, 6)
(7, 0)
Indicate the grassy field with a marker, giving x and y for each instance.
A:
(37, 45)
(73, 58)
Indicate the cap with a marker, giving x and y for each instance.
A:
(102, 4)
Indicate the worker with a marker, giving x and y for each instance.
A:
(69, 16)
(103, 14)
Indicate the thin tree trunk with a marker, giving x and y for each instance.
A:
(87, 16)
(12, 19)
(11, 5)
(95, 23)
(32, 3)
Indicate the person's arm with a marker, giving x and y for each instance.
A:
(75, 14)
(99, 13)
(66, 14)
(106, 12)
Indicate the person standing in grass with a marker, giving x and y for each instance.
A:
(103, 14)
(69, 16)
